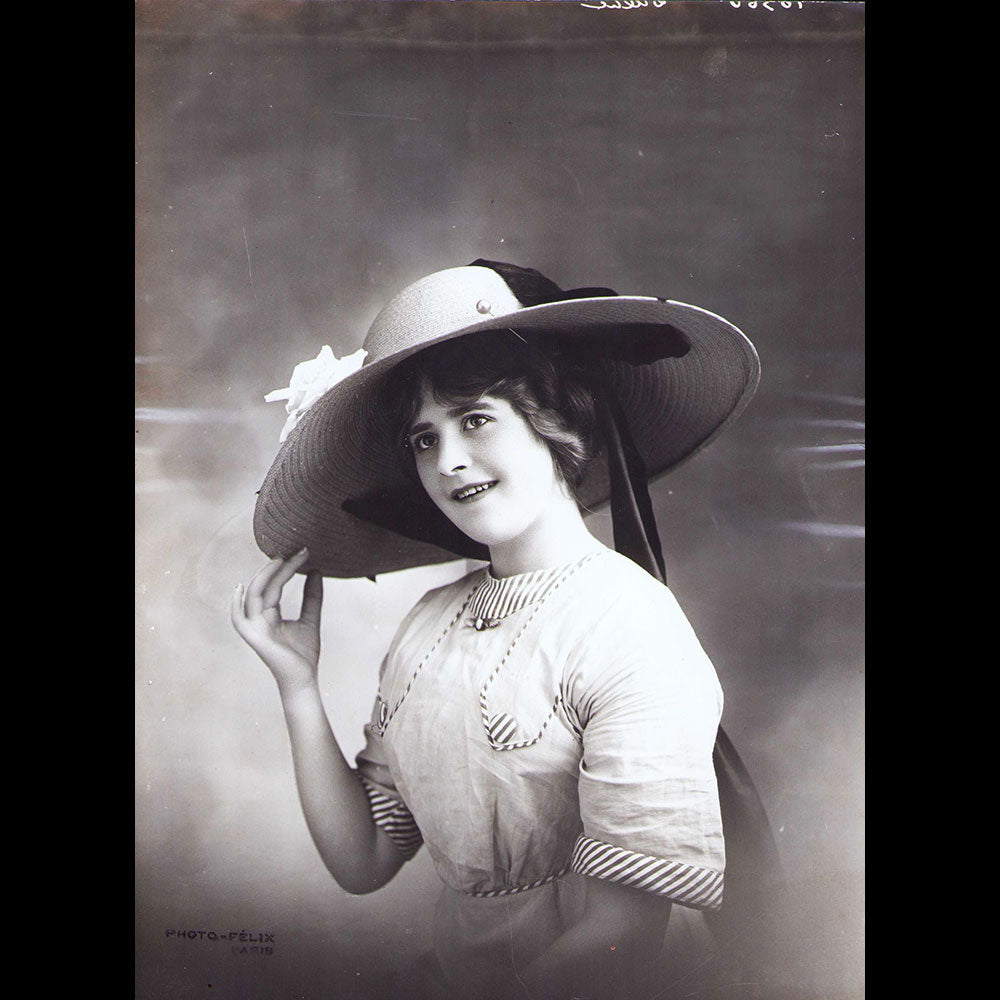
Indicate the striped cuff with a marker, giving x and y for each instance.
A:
(394, 818)
(689, 885)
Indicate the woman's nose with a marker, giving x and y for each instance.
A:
(452, 457)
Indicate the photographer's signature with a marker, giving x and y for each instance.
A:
(241, 942)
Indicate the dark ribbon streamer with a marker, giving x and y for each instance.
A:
(754, 886)
(632, 517)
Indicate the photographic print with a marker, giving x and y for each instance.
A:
(499, 500)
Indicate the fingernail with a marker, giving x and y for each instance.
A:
(302, 551)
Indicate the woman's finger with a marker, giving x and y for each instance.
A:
(236, 609)
(264, 590)
(253, 602)
(312, 599)
(249, 630)
(272, 591)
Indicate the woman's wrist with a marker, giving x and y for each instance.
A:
(300, 694)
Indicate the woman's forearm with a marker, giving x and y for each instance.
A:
(357, 853)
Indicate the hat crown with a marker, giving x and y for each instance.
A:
(438, 306)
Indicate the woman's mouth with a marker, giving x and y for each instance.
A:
(467, 493)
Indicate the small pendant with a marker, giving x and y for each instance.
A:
(481, 624)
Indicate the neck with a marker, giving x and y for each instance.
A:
(558, 537)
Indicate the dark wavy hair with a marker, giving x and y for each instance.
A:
(546, 386)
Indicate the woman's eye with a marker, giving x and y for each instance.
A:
(474, 420)
(422, 442)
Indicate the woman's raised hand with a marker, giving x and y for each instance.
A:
(289, 648)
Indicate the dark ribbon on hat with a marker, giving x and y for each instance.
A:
(532, 288)
(638, 344)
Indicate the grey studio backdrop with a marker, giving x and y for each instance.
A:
(299, 163)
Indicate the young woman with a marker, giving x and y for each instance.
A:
(544, 725)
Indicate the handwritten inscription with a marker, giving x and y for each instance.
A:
(624, 4)
(768, 5)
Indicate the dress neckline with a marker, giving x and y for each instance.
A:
(497, 597)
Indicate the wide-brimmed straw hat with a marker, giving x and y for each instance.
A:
(677, 375)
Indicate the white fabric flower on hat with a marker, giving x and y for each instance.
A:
(310, 379)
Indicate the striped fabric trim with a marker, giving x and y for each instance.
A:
(490, 893)
(689, 885)
(496, 599)
(502, 727)
(394, 818)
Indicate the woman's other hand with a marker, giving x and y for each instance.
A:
(290, 648)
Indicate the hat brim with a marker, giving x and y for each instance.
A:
(343, 457)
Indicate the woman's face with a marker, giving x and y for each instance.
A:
(485, 468)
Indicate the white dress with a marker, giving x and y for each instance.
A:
(537, 729)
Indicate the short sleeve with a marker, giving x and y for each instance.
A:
(648, 795)
(388, 809)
